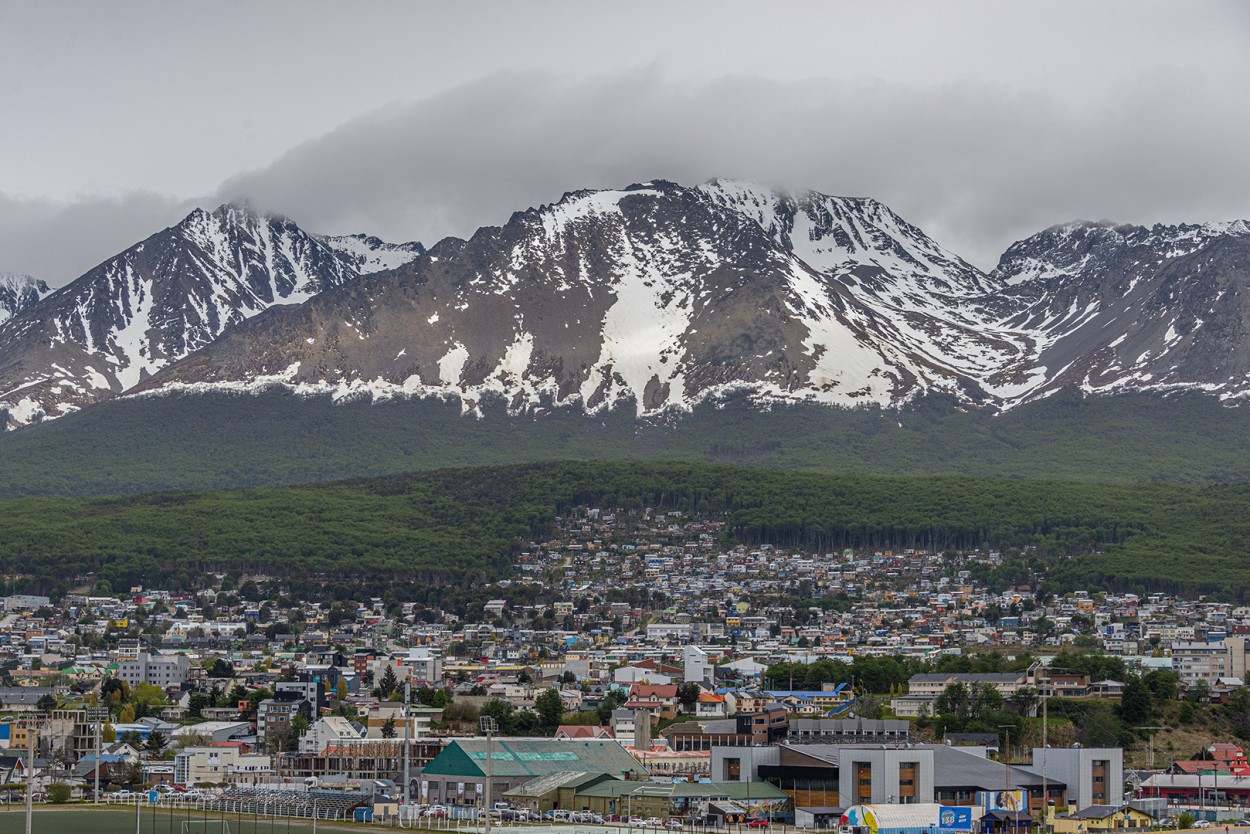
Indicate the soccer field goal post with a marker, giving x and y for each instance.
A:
(206, 827)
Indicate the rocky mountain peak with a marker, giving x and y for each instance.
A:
(654, 296)
(167, 296)
(18, 292)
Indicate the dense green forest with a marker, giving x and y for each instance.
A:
(132, 446)
(409, 533)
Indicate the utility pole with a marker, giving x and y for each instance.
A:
(1150, 739)
(1045, 782)
(489, 726)
(30, 774)
(97, 714)
(1006, 728)
(407, 740)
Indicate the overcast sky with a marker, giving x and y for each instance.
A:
(981, 122)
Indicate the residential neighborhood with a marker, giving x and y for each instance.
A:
(633, 651)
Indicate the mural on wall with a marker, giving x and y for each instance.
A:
(1002, 800)
(861, 816)
(735, 810)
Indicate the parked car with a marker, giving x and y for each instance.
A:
(757, 824)
(636, 822)
(1202, 824)
(673, 822)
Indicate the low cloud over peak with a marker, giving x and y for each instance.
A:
(976, 165)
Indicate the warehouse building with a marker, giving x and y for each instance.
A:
(457, 775)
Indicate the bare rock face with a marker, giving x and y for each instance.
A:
(657, 296)
(1115, 308)
(162, 299)
(18, 292)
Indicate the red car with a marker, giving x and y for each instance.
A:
(757, 824)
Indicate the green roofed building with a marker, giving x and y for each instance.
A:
(457, 775)
(742, 800)
(556, 790)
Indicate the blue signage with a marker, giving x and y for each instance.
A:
(955, 819)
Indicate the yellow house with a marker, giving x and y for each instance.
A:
(1100, 818)
(20, 737)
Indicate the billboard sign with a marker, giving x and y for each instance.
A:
(955, 819)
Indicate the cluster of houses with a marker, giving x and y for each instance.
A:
(645, 612)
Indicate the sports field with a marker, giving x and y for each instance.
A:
(122, 821)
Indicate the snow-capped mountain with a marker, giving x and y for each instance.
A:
(1132, 308)
(656, 294)
(367, 253)
(17, 292)
(164, 298)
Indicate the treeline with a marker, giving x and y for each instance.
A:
(885, 674)
(432, 530)
(129, 446)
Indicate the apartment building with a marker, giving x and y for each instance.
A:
(215, 765)
(165, 671)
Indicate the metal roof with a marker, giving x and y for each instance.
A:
(533, 757)
(546, 784)
(955, 768)
(675, 790)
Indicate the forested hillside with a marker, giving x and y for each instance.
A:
(426, 533)
(221, 441)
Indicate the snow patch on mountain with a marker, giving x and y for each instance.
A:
(18, 292)
(367, 254)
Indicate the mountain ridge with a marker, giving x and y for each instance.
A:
(166, 296)
(665, 297)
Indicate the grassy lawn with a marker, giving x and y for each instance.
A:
(122, 821)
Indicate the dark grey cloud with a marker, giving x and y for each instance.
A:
(977, 164)
(58, 241)
(981, 121)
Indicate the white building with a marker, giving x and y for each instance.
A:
(331, 731)
(424, 665)
(198, 765)
(18, 602)
(165, 671)
(697, 667)
(1094, 775)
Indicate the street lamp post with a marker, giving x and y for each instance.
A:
(407, 741)
(97, 714)
(489, 727)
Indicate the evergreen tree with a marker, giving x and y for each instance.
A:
(156, 743)
(1135, 702)
(388, 728)
(389, 682)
